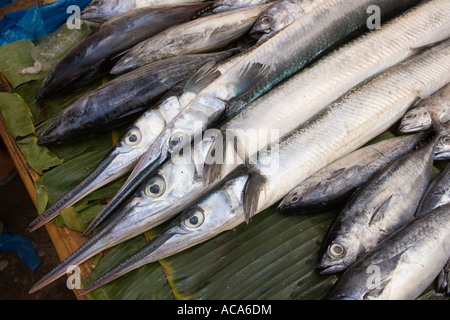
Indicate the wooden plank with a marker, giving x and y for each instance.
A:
(65, 240)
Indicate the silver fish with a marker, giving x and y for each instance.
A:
(225, 5)
(257, 73)
(442, 151)
(402, 266)
(419, 118)
(123, 98)
(379, 208)
(197, 36)
(94, 57)
(279, 15)
(333, 185)
(103, 10)
(345, 126)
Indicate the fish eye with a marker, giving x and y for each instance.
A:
(446, 140)
(133, 137)
(294, 198)
(409, 116)
(265, 20)
(337, 250)
(195, 220)
(155, 187)
(176, 140)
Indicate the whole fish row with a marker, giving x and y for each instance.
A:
(148, 209)
(208, 96)
(255, 74)
(345, 126)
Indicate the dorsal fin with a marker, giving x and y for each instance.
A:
(202, 78)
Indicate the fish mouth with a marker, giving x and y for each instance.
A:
(330, 268)
(259, 33)
(407, 128)
(442, 156)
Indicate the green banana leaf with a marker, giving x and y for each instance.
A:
(273, 257)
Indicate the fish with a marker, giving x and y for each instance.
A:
(442, 151)
(279, 15)
(128, 150)
(334, 184)
(262, 69)
(225, 5)
(362, 58)
(419, 117)
(123, 99)
(402, 266)
(94, 57)
(200, 35)
(380, 207)
(100, 11)
(437, 196)
(368, 110)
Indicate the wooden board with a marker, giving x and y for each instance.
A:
(65, 240)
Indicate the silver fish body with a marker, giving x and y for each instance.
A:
(380, 207)
(419, 117)
(197, 36)
(332, 186)
(442, 151)
(402, 266)
(225, 5)
(260, 70)
(279, 15)
(123, 98)
(95, 56)
(103, 10)
(299, 155)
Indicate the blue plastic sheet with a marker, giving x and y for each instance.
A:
(5, 2)
(24, 247)
(37, 21)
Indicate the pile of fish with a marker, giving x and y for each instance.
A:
(311, 75)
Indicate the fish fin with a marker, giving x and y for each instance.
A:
(213, 168)
(379, 212)
(375, 292)
(202, 78)
(336, 173)
(249, 76)
(253, 187)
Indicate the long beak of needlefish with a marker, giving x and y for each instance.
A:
(146, 166)
(110, 168)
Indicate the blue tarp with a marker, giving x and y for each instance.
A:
(24, 247)
(37, 21)
(5, 2)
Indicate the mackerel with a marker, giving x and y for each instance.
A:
(419, 117)
(225, 5)
(103, 10)
(331, 186)
(342, 128)
(93, 57)
(197, 36)
(262, 69)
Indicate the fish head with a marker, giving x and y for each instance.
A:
(276, 18)
(340, 253)
(102, 10)
(296, 198)
(442, 149)
(417, 119)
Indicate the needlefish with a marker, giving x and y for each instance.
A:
(252, 76)
(130, 147)
(134, 142)
(94, 57)
(102, 10)
(345, 126)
